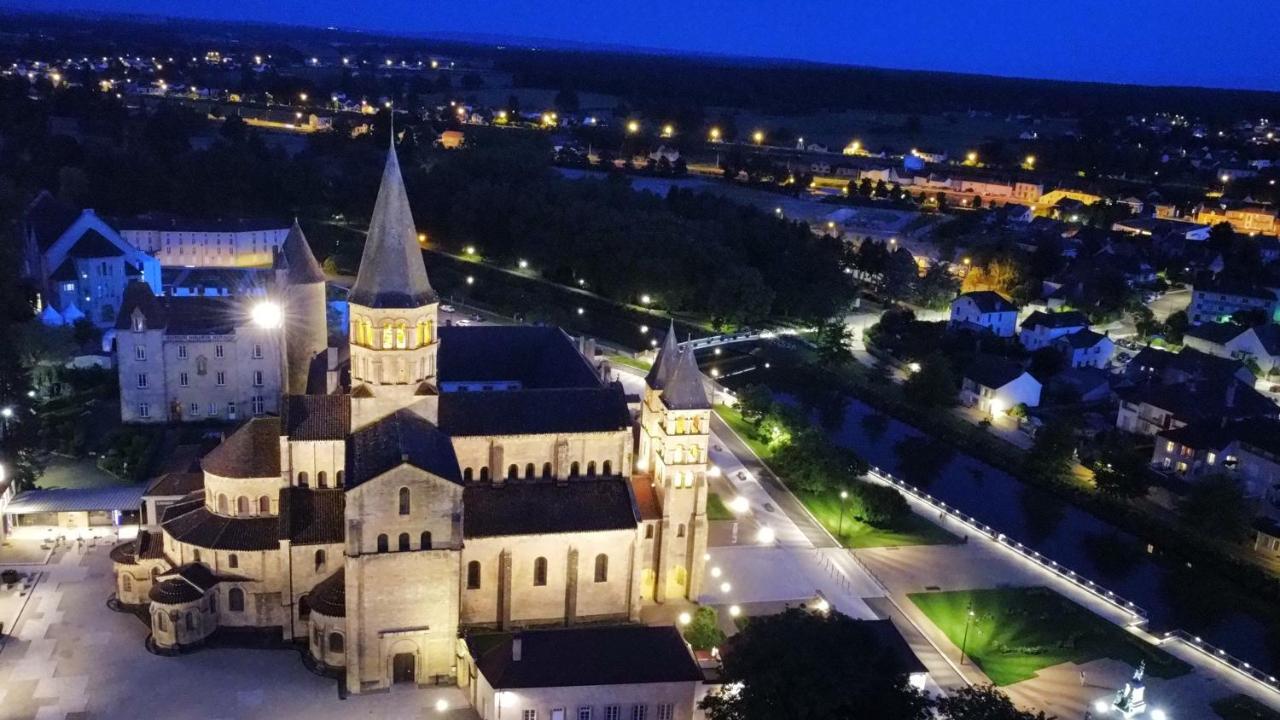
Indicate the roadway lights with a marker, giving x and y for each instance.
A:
(422, 238)
(302, 97)
(265, 315)
(716, 572)
(646, 299)
(524, 264)
(725, 587)
(633, 127)
(739, 505)
(971, 158)
(471, 280)
(734, 611)
(644, 329)
(714, 134)
(758, 137)
(668, 130)
(442, 705)
(6, 413)
(766, 535)
(470, 250)
(582, 311)
(823, 606)
(1030, 161)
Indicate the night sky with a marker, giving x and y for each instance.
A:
(1227, 43)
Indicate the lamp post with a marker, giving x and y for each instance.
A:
(6, 414)
(844, 495)
(964, 641)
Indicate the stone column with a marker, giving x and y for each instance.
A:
(571, 587)
(504, 590)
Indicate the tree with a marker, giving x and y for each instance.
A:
(982, 702)
(879, 505)
(1121, 472)
(1216, 504)
(832, 342)
(754, 401)
(1052, 454)
(865, 188)
(934, 385)
(1001, 274)
(1175, 327)
(704, 632)
(802, 665)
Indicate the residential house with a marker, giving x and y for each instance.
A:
(1040, 329)
(1086, 348)
(1219, 300)
(1154, 227)
(1248, 450)
(1257, 347)
(1246, 219)
(985, 310)
(1079, 385)
(995, 385)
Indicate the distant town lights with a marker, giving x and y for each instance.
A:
(582, 311)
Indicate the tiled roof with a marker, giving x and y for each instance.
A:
(1216, 333)
(183, 314)
(147, 546)
(534, 412)
(537, 507)
(1070, 318)
(311, 517)
(403, 437)
(329, 596)
(993, 372)
(174, 591)
(1083, 339)
(175, 484)
(989, 301)
(535, 357)
(93, 244)
(665, 361)
(252, 451)
(191, 522)
(316, 417)
(576, 657)
(392, 273)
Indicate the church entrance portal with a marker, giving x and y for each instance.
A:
(402, 668)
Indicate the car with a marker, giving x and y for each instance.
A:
(742, 474)
(447, 308)
(718, 448)
(769, 507)
(464, 322)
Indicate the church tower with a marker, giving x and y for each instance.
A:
(393, 312)
(302, 284)
(675, 421)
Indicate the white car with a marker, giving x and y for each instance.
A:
(447, 308)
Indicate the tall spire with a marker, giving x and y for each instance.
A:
(665, 361)
(298, 261)
(685, 389)
(392, 274)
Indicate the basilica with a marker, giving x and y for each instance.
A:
(425, 483)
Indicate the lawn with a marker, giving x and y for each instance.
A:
(630, 362)
(911, 530)
(1243, 707)
(745, 430)
(1016, 632)
(716, 509)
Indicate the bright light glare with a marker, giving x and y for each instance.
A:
(267, 315)
(734, 611)
(716, 571)
(766, 536)
(685, 618)
(442, 705)
(1158, 714)
(725, 587)
(739, 505)
(823, 605)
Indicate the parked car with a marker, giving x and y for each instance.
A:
(447, 308)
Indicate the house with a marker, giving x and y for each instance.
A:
(1219, 300)
(629, 671)
(1042, 328)
(1150, 408)
(1245, 219)
(1086, 348)
(1156, 227)
(1257, 347)
(1248, 450)
(1017, 213)
(995, 385)
(1079, 385)
(984, 310)
(178, 241)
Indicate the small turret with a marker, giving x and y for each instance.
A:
(302, 283)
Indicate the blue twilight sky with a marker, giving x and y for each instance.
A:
(1224, 43)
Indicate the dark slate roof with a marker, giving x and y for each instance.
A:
(311, 517)
(252, 451)
(1070, 318)
(392, 274)
(316, 417)
(183, 314)
(402, 437)
(66, 272)
(1211, 400)
(993, 372)
(48, 217)
(665, 360)
(1082, 339)
(575, 657)
(545, 506)
(174, 591)
(1269, 336)
(1239, 289)
(93, 244)
(685, 388)
(534, 412)
(300, 263)
(177, 484)
(1260, 434)
(138, 295)
(989, 301)
(536, 357)
(329, 596)
(191, 522)
(1216, 333)
(147, 546)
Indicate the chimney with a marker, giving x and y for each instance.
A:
(516, 648)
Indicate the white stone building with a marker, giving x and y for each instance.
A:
(984, 310)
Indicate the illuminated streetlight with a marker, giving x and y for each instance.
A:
(714, 134)
(471, 280)
(302, 97)
(844, 496)
(646, 299)
(758, 137)
(1225, 178)
(971, 158)
(6, 412)
(267, 315)
(582, 311)
(644, 329)
(739, 505)
(470, 250)
(716, 571)
(725, 587)
(823, 606)
(964, 641)
(633, 127)
(766, 535)
(734, 611)
(524, 264)
(422, 238)
(1030, 161)
(442, 705)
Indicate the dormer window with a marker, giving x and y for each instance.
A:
(139, 321)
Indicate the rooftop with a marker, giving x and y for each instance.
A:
(576, 657)
(522, 507)
(122, 497)
(534, 357)
(533, 412)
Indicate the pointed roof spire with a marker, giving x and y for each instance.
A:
(665, 361)
(685, 389)
(296, 259)
(392, 274)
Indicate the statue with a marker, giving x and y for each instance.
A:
(1131, 700)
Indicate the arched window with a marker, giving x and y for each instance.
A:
(242, 505)
(126, 582)
(382, 543)
(546, 471)
(607, 468)
(467, 475)
(322, 479)
(337, 478)
(222, 504)
(528, 471)
(426, 540)
(404, 501)
(335, 643)
(302, 480)
(573, 469)
(540, 571)
(162, 622)
(233, 561)
(679, 426)
(680, 530)
(264, 505)
(602, 568)
(191, 622)
(320, 560)
(235, 600)
(484, 474)
(404, 542)
(388, 335)
(422, 333)
(473, 575)
(402, 335)
(513, 471)
(304, 607)
(591, 469)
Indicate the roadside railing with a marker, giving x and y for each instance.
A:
(1222, 657)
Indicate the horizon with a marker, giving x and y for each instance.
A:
(1091, 42)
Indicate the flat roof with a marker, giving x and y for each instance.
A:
(123, 497)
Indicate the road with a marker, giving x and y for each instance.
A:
(1169, 303)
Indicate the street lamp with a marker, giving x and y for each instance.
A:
(633, 127)
(971, 158)
(964, 641)
(668, 130)
(1030, 161)
(758, 137)
(714, 134)
(645, 299)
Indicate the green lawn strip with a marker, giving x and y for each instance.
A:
(911, 530)
(745, 430)
(716, 509)
(630, 362)
(1018, 631)
(1243, 707)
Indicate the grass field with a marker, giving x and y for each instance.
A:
(914, 530)
(1015, 632)
(630, 362)
(716, 509)
(1243, 707)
